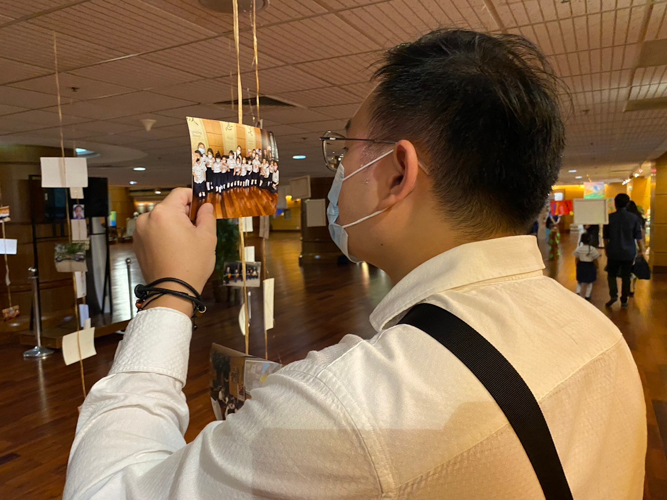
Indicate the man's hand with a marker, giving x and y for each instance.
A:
(167, 245)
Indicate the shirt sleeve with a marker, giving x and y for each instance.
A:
(294, 439)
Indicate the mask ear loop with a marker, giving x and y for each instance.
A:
(368, 164)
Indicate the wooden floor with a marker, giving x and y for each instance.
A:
(240, 202)
(315, 307)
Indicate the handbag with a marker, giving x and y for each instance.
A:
(505, 385)
(641, 269)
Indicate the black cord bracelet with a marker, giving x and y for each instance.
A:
(148, 293)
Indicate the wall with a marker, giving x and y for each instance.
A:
(659, 217)
(294, 222)
(122, 203)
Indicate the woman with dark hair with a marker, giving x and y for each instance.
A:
(633, 209)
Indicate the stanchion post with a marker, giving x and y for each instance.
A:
(38, 351)
(128, 261)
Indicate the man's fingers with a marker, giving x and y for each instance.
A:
(179, 199)
(206, 218)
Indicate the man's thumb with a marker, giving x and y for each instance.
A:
(206, 218)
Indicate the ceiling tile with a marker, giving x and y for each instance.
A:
(86, 88)
(7, 110)
(320, 97)
(344, 70)
(13, 71)
(136, 72)
(212, 58)
(25, 98)
(17, 10)
(311, 39)
(129, 26)
(280, 80)
(135, 120)
(200, 111)
(23, 42)
(201, 91)
(289, 116)
(345, 111)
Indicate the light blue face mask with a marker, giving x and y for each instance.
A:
(338, 232)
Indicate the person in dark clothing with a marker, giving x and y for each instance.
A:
(593, 231)
(633, 209)
(621, 237)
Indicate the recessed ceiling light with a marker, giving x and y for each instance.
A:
(572, 171)
(158, 192)
(139, 169)
(578, 177)
(133, 182)
(299, 157)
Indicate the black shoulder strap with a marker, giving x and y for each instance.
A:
(505, 385)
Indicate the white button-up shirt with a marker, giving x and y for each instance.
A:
(394, 417)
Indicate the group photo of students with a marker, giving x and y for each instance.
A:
(214, 172)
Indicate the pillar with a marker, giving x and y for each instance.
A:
(316, 242)
(659, 217)
(17, 163)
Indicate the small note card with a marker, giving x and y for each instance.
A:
(86, 339)
(64, 172)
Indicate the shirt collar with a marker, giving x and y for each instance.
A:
(460, 266)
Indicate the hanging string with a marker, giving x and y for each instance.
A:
(246, 323)
(238, 60)
(69, 229)
(246, 326)
(7, 280)
(256, 59)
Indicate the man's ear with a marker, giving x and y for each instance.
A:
(402, 180)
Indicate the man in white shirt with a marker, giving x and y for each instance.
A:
(448, 160)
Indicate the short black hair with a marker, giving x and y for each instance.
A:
(586, 239)
(483, 112)
(621, 200)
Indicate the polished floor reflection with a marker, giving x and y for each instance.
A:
(315, 307)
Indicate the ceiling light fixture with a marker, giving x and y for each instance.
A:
(158, 192)
(133, 183)
(572, 171)
(139, 169)
(299, 157)
(578, 177)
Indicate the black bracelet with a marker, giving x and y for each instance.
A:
(148, 293)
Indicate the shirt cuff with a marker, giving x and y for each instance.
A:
(156, 341)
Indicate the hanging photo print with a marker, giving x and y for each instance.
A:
(4, 214)
(234, 167)
(78, 212)
(10, 313)
(70, 257)
(233, 276)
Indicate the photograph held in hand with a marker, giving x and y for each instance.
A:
(234, 167)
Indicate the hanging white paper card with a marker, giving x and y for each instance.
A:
(64, 172)
(80, 278)
(86, 339)
(242, 316)
(268, 303)
(316, 213)
(76, 193)
(247, 224)
(8, 247)
(84, 314)
(79, 230)
(250, 254)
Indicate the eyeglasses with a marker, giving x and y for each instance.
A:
(333, 148)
